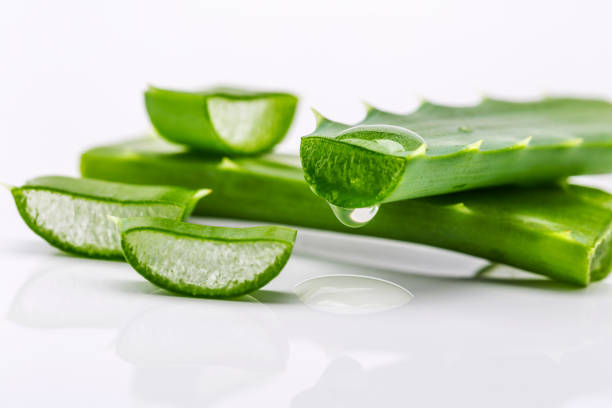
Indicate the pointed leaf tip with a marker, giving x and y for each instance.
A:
(369, 108)
(318, 117)
(423, 103)
(427, 104)
(461, 207)
(487, 97)
(473, 146)
(227, 163)
(203, 192)
(524, 143)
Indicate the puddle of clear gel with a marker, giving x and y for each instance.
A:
(354, 217)
(351, 294)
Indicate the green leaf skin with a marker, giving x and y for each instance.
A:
(70, 213)
(562, 232)
(189, 259)
(223, 121)
(493, 143)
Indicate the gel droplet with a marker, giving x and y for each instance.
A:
(351, 294)
(354, 217)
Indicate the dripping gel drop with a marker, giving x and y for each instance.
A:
(354, 217)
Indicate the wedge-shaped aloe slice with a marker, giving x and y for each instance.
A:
(440, 149)
(71, 213)
(227, 121)
(198, 260)
(559, 231)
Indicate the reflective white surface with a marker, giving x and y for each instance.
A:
(78, 332)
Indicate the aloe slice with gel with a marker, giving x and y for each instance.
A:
(71, 213)
(223, 120)
(203, 261)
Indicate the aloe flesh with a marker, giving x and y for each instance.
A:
(440, 149)
(71, 213)
(562, 232)
(204, 261)
(225, 121)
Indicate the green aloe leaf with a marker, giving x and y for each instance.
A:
(198, 260)
(71, 213)
(226, 121)
(441, 149)
(562, 232)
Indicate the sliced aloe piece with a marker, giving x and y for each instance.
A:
(71, 213)
(440, 149)
(227, 121)
(198, 260)
(563, 232)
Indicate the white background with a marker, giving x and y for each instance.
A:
(73, 72)
(77, 333)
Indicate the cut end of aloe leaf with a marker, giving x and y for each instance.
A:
(369, 179)
(203, 261)
(601, 261)
(361, 166)
(79, 215)
(222, 121)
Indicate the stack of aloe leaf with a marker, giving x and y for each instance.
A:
(487, 180)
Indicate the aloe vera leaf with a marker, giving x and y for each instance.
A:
(204, 261)
(226, 121)
(70, 213)
(441, 149)
(559, 231)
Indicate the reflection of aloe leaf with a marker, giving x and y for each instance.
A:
(189, 386)
(344, 383)
(106, 293)
(494, 143)
(240, 335)
(192, 352)
(524, 227)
